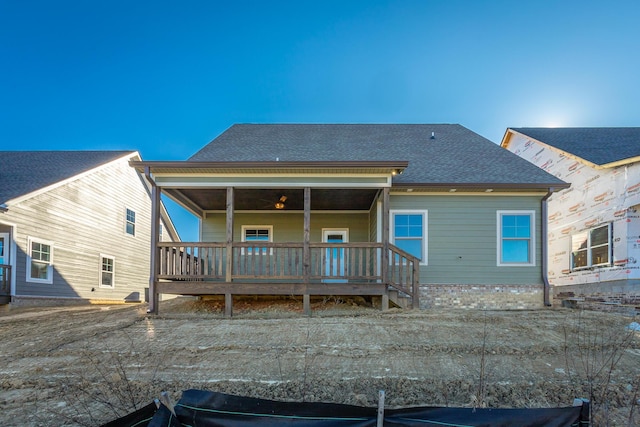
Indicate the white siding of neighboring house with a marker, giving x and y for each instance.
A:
(596, 196)
(84, 219)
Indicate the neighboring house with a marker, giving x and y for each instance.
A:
(435, 213)
(594, 226)
(74, 226)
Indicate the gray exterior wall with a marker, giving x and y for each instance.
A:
(462, 238)
(84, 219)
(462, 234)
(287, 226)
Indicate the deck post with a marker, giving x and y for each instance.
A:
(385, 246)
(228, 297)
(306, 251)
(228, 305)
(415, 298)
(154, 300)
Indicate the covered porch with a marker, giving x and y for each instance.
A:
(290, 258)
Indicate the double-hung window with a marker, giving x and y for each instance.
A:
(409, 232)
(591, 248)
(257, 234)
(40, 261)
(130, 227)
(107, 264)
(516, 238)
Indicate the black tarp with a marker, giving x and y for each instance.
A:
(211, 409)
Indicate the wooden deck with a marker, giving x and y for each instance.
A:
(265, 268)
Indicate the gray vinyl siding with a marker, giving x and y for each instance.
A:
(287, 227)
(83, 219)
(462, 238)
(373, 222)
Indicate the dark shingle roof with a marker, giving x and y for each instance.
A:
(596, 145)
(456, 155)
(22, 172)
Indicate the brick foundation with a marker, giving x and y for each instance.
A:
(483, 297)
(622, 296)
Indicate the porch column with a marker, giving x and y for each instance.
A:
(385, 246)
(228, 297)
(306, 251)
(155, 237)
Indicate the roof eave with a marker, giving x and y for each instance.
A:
(157, 165)
(552, 187)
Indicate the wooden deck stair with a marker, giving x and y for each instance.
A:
(399, 299)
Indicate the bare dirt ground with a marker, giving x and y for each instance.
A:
(89, 365)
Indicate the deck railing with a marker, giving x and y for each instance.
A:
(285, 262)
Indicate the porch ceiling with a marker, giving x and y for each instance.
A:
(264, 199)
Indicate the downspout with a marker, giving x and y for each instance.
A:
(545, 246)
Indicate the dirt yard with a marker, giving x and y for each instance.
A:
(89, 365)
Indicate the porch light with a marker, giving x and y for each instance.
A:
(280, 203)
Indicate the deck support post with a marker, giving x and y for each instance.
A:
(228, 297)
(385, 247)
(228, 305)
(306, 251)
(154, 300)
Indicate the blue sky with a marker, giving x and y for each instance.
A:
(166, 77)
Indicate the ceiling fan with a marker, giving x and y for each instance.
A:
(279, 204)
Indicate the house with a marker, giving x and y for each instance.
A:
(594, 226)
(433, 213)
(74, 227)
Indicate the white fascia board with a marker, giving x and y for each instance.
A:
(273, 180)
(468, 193)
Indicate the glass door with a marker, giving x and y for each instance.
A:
(5, 272)
(335, 255)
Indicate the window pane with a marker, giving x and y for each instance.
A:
(413, 246)
(107, 279)
(408, 225)
(131, 229)
(516, 226)
(40, 251)
(415, 220)
(600, 236)
(131, 216)
(516, 251)
(578, 241)
(579, 259)
(39, 270)
(600, 255)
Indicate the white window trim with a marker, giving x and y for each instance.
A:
(49, 279)
(113, 273)
(589, 248)
(532, 239)
(126, 222)
(257, 227)
(425, 229)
